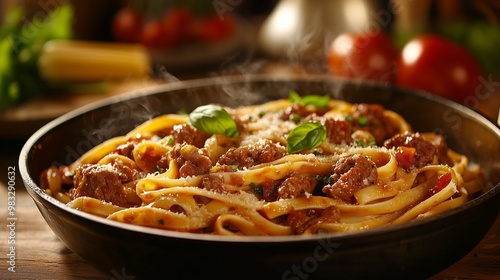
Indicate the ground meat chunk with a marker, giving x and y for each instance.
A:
(103, 182)
(296, 185)
(152, 160)
(190, 160)
(301, 220)
(269, 191)
(425, 150)
(66, 175)
(301, 110)
(441, 150)
(338, 131)
(370, 117)
(247, 156)
(223, 168)
(240, 121)
(126, 173)
(351, 174)
(214, 182)
(184, 133)
(296, 109)
(126, 149)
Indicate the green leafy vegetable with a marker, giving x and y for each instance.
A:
(306, 136)
(480, 38)
(21, 43)
(213, 119)
(315, 100)
(9, 87)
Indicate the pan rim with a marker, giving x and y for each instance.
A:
(38, 194)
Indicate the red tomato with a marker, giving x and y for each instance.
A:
(434, 64)
(176, 24)
(442, 182)
(127, 25)
(212, 29)
(369, 56)
(153, 35)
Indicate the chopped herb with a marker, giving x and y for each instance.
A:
(295, 118)
(171, 141)
(157, 168)
(371, 142)
(366, 142)
(307, 135)
(318, 101)
(261, 114)
(257, 189)
(234, 167)
(360, 143)
(362, 121)
(317, 153)
(327, 180)
(161, 222)
(213, 119)
(348, 118)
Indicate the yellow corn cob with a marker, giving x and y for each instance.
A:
(64, 61)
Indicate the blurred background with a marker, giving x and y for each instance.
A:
(57, 55)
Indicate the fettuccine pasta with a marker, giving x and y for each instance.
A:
(303, 165)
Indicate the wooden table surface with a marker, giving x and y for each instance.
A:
(39, 254)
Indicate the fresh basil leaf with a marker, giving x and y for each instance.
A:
(213, 119)
(306, 136)
(319, 101)
(294, 97)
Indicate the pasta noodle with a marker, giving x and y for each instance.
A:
(303, 165)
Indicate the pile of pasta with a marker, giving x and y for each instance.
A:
(303, 165)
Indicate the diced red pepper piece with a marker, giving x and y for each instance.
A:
(405, 157)
(442, 182)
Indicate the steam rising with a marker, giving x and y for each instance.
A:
(295, 35)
